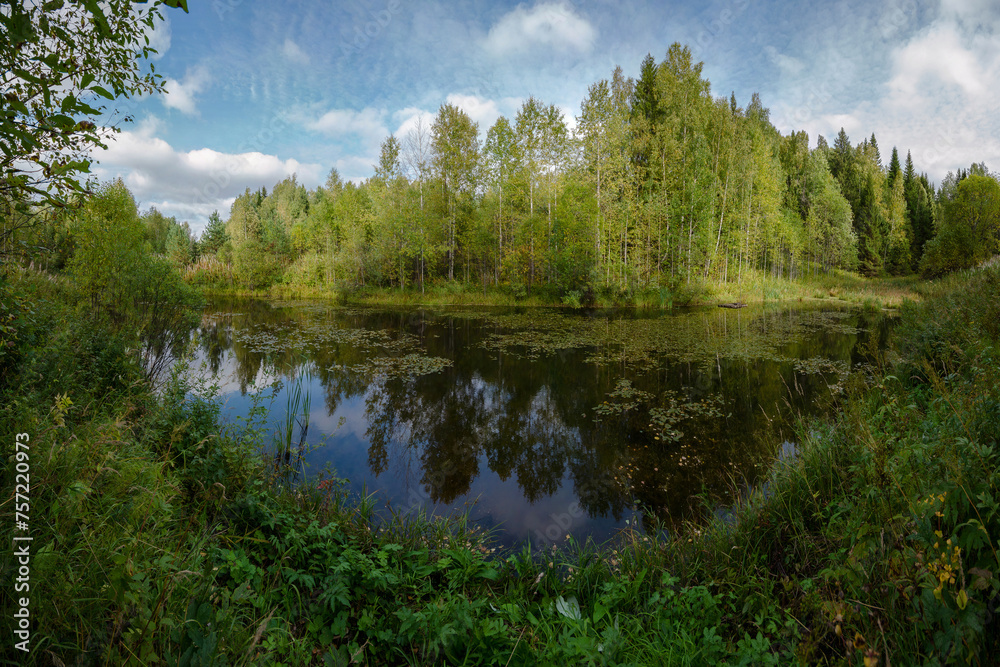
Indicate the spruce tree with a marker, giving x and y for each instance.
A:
(214, 235)
(909, 174)
(894, 168)
(841, 157)
(875, 151)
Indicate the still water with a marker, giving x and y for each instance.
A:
(541, 423)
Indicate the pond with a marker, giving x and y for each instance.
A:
(542, 424)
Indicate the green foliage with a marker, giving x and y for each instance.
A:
(179, 247)
(970, 229)
(214, 235)
(123, 285)
(60, 63)
(255, 268)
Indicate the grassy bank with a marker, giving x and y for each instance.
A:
(756, 287)
(161, 537)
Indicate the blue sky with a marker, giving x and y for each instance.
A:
(258, 91)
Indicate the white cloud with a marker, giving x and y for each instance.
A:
(294, 53)
(356, 168)
(160, 37)
(569, 117)
(937, 57)
(944, 89)
(367, 124)
(551, 25)
(180, 95)
(192, 184)
(787, 64)
(408, 118)
(481, 110)
(486, 111)
(927, 82)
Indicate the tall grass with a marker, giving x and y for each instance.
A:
(755, 287)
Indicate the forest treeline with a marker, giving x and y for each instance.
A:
(658, 185)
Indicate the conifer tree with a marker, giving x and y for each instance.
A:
(214, 235)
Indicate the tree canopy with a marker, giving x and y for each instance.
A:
(64, 66)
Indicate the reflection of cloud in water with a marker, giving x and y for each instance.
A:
(228, 375)
(323, 423)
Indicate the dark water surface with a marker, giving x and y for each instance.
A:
(553, 423)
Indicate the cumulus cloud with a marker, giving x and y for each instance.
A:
(192, 184)
(356, 168)
(181, 95)
(925, 81)
(937, 58)
(366, 125)
(485, 111)
(549, 25)
(944, 89)
(481, 110)
(408, 119)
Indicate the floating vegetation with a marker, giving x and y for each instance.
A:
(649, 343)
(298, 337)
(624, 398)
(822, 366)
(407, 367)
(663, 421)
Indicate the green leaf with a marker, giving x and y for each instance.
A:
(62, 121)
(17, 105)
(100, 20)
(569, 608)
(102, 92)
(29, 77)
(962, 599)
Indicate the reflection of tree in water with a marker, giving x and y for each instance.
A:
(532, 417)
(593, 480)
(534, 441)
(454, 420)
(215, 338)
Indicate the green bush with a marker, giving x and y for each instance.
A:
(254, 267)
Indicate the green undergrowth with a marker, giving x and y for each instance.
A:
(754, 287)
(162, 536)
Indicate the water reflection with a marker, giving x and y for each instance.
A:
(525, 412)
